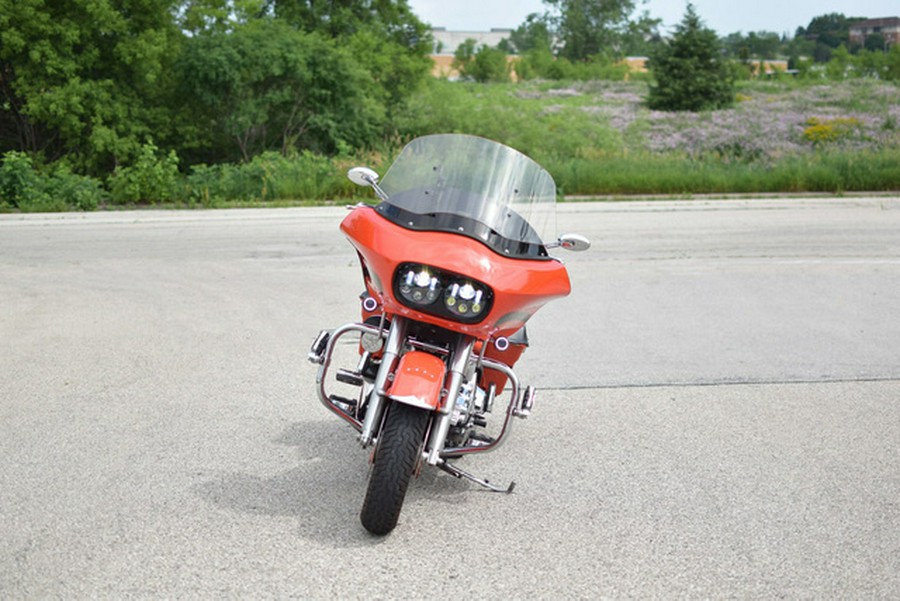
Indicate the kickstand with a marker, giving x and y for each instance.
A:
(460, 473)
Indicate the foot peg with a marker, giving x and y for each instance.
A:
(526, 404)
(349, 377)
(345, 405)
(477, 439)
(317, 349)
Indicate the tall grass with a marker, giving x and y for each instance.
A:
(598, 138)
(540, 121)
(671, 174)
(268, 177)
(595, 137)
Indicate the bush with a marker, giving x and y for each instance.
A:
(76, 191)
(26, 188)
(269, 177)
(152, 178)
(204, 185)
(541, 63)
(20, 184)
(300, 177)
(483, 65)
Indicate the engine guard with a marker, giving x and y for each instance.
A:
(418, 381)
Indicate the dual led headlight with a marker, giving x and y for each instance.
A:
(442, 293)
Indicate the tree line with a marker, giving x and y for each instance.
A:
(89, 82)
(585, 39)
(119, 96)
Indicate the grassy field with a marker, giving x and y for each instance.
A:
(597, 138)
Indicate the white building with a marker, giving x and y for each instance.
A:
(446, 42)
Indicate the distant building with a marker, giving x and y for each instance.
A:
(636, 64)
(446, 42)
(889, 27)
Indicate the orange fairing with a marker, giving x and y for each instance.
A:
(418, 380)
(520, 286)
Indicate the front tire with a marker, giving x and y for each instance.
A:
(396, 456)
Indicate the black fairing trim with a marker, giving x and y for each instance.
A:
(456, 224)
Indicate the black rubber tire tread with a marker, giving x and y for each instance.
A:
(396, 456)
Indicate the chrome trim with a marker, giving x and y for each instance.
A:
(527, 403)
(412, 401)
(428, 348)
(442, 422)
(376, 398)
(510, 411)
(325, 363)
(315, 355)
(441, 427)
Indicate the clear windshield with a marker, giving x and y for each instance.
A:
(500, 191)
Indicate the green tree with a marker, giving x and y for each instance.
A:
(464, 54)
(205, 16)
(267, 85)
(828, 32)
(892, 64)
(85, 79)
(397, 70)
(385, 36)
(533, 34)
(797, 49)
(641, 36)
(871, 63)
(689, 72)
(839, 66)
(832, 29)
(540, 62)
(876, 42)
(341, 18)
(758, 45)
(588, 27)
(482, 65)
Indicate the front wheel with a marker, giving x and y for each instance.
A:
(396, 456)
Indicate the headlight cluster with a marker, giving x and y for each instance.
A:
(442, 293)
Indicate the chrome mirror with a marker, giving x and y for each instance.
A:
(363, 176)
(573, 242)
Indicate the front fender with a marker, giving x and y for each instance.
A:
(418, 380)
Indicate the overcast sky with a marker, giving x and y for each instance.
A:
(725, 16)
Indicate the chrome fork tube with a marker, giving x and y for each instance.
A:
(442, 421)
(374, 412)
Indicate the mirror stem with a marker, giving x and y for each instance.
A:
(379, 192)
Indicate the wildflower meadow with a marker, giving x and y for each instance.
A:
(599, 138)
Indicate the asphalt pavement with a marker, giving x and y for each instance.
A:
(717, 413)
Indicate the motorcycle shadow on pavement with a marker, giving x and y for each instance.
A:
(325, 491)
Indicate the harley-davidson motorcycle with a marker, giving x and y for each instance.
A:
(454, 264)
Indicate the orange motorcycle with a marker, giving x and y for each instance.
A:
(454, 264)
